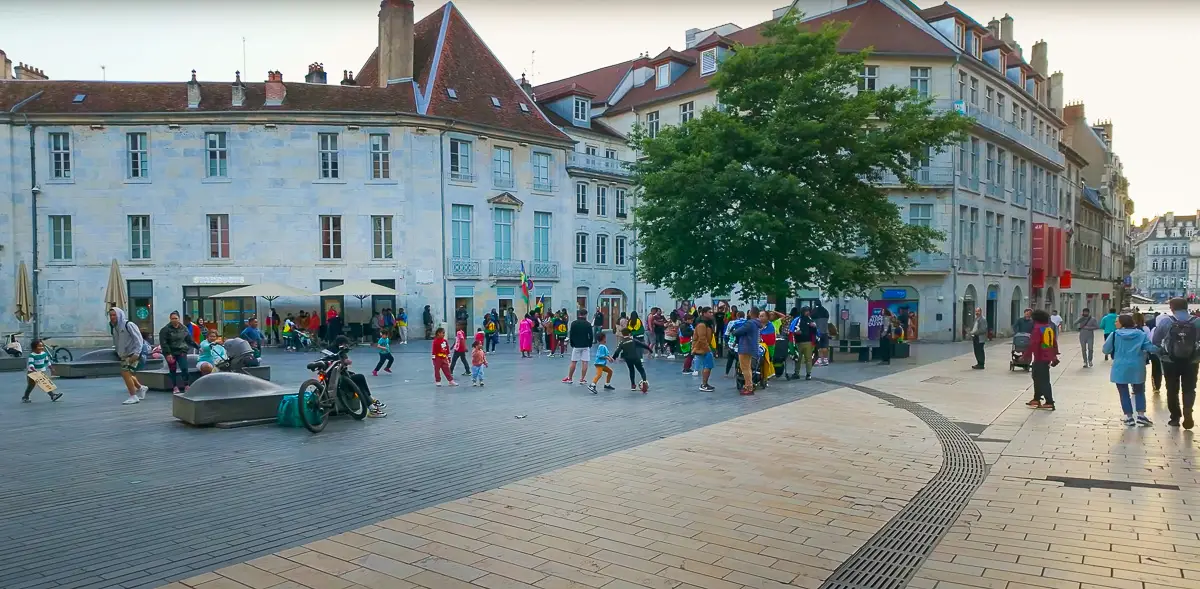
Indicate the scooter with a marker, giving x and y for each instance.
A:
(12, 346)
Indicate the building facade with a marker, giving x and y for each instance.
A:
(1163, 260)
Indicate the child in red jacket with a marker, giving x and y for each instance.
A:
(441, 358)
(1043, 350)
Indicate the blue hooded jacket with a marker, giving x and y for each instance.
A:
(1128, 347)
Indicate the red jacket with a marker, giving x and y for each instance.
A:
(1043, 347)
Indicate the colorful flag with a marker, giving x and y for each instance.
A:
(526, 284)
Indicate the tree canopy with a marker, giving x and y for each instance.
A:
(772, 193)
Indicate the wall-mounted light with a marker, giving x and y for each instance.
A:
(523, 144)
(173, 127)
(352, 128)
(483, 137)
(269, 126)
(422, 130)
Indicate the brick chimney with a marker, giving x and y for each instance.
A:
(1006, 29)
(316, 74)
(1056, 93)
(24, 71)
(1107, 126)
(275, 89)
(193, 89)
(348, 78)
(1038, 60)
(6, 64)
(994, 28)
(395, 41)
(238, 91)
(1073, 112)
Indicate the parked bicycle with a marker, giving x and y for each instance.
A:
(332, 388)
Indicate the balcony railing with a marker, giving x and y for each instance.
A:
(935, 262)
(926, 176)
(595, 163)
(502, 180)
(542, 185)
(543, 270)
(504, 268)
(462, 176)
(999, 125)
(462, 268)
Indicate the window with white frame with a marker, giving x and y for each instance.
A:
(960, 35)
(502, 233)
(920, 214)
(581, 198)
(589, 149)
(460, 160)
(137, 156)
(541, 171)
(601, 249)
(662, 76)
(502, 172)
(975, 91)
(218, 237)
(381, 156)
(990, 164)
(975, 158)
(686, 111)
(977, 46)
(708, 61)
(620, 197)
(652, 124)
(541, 236)
(216, 155)
(61, 242)
(988, 99)
(962, 86)
(1001, 156)
(619, 251)
(60, 156)
(601, 200)
(581, 245)
(918, 79)
(331, 237)
(327, 147)
(139, 237)
(460, 231)
(868, 78)
(381, 237)
(610, 153)
(582, 109)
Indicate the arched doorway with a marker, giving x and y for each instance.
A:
(612, 304)
(991, 310)
(1014, 305)
(968, 309)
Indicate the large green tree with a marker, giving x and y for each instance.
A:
(773, 192)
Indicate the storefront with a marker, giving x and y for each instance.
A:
(227, 316)
(612, 304)
(903, 302)
(141, 305)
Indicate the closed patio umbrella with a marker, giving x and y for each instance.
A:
(115, 295)
(23, 307)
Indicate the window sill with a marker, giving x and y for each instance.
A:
(381, 182)
(324, 262)
(220, 262)
(60, 263)
(217, 180)
(60, 180)
(378, 262)
(329, 181)
(140, 262)
(137, 180)
(453, 182)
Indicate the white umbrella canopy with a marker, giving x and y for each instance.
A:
(115, 295)
(266, 290)
(357, 288)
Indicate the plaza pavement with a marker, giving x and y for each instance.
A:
(783, 497)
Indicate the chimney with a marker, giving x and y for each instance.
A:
(526, 86)
(5, 63)
(1006, 29)
(348, 78)
(395, 41)
(1056, 93)
(193, 88)
(238, 92)
(1038, 60)
(1073, 112)
(994, 28)
(275, 89)
(316, 74)
(1108, 131)
(24, 71)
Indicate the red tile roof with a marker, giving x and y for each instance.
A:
(559, 92)
(598, 127)
(671, 55)
(712, 40)
(946, 9)
(601, 81)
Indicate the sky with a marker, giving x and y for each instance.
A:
(1115, 54)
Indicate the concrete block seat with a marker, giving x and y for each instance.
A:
(11, 364)
(159, 379)
(99, 363)
(224, 397)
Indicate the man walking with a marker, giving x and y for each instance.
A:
(1177, 335)
(127, 341)
(702, 339)
(978, 335)
(1056, 320)
(597, 322)
(1109, 324)
(1025, 323)
(1087, 326)
(581, 338)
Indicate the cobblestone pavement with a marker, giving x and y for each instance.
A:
(783, 497)
(97, 494)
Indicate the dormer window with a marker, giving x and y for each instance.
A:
(960, 35)
(495, 102)
(977, 46)
(524, 107)
(708, 61)
(452, 93)
(582, 108)
(662, 76)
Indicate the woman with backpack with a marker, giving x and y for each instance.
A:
(1128, 346)
(1178, 335)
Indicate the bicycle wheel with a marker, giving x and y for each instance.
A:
(62, 355)
(313, 411)
(352, 398)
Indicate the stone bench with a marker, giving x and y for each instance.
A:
(160, 379)
(11, 364)
(100, 363)
(225, 397)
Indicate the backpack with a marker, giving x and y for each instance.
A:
(1181, 340)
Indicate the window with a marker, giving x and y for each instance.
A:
(918, 79)
(502, 233)
(610, 154)
(541, 237)
(1024, 115)
(974, 235)
(495, 102)
(977, 46)
(662, 76)
(962, 85)
(1001, 155)
(590, 150)
(581, 198)
(1173, 264)
(331, 237)
(1016, 111)
(381, 156)
(989, 224)
(962, 158)
(686, 112)
(601, 249)
(139, 155)
(502, 172)
(216, 155)
(960, 35)
(999, 235)
(381, 237)
(139, 237)
(868, 78)
(652, 124)
(975, 91)
(1021, 185)
(60, 156)
(975, 158)
(327, 148)
(990, 164)
(620, 203)
(541, 171)
(582, 107)
(920, 215)
(1014, 253)
(1016, 180)
(61, 246)
(708, 61)
(460, 160)
(1021, 242)
(1000, 105)
(601, 200)
(619, 251)
(581, 243)
(460, 231)
(218, 237)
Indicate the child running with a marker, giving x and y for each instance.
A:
(602, 360)
(385, 352)
(39, 361)
(631, 350)
(478, 363)
(441, 358)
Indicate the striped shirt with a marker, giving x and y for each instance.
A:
(39, 361)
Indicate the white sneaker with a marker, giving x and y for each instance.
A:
(695, 373)
(132, 400)
(438, 383)
(142, 392)
(671, 357)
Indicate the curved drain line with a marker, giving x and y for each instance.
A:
(894, 554)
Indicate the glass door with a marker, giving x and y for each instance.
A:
(141, 305)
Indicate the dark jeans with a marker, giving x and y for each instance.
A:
(977, 344)
(1156, 372)
(361, 381)
(1180, 377)
(180, 364)
(885, 349)
(635, 365)
(454, 362)
(490, 341)
(29, 384)
(1040, 372)
(730, 362)
(386, 357)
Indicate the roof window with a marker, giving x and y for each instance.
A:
(524, 107)
(451, 93)
(79, 98)
(495, 102)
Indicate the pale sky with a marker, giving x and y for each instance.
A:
(1116, 54)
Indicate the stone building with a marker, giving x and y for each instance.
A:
(1162, 249)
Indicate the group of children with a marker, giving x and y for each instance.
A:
(442, 363)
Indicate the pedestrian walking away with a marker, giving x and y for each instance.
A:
(1128, 346)
(1108, 323)
(1042, 353)
(581, 346)
(1087, 326)
(1177, 336)
(978, 335)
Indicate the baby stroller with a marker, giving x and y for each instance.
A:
(304, 341)
(755, 370)
(238, 356)
(1020, 343)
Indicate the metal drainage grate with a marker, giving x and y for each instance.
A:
(894, 554)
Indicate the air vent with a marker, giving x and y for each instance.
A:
(524, 107)
(79, 98)
(451, 93)
(495, 102)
